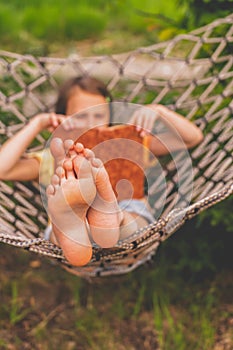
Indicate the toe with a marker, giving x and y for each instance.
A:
(50, 190)
(89, 154)
(96, 162)
(58, 150)
(69, 147)
(82, 167)
(79, 148)
(55, 181)
(69, 171)
(60, 172)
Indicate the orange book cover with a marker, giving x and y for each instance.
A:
(121, 150)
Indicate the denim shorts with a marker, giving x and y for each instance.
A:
(138, 207)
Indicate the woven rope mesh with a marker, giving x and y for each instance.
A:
(191, 74)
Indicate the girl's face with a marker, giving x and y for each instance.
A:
(89, 110)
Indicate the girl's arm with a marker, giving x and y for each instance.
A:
(181, 132)
(12, 165)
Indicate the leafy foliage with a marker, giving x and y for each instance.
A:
(219, 214)
(200, 12)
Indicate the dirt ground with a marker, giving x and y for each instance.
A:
(44, 307)
(46, 312)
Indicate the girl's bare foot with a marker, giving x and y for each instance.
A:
(108, 223)
(104, 215)
(70, 194)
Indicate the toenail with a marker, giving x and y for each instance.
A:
(96, 162)
(60, 171)
(88, 153)
(68, 164)
(79, 146)
(55, 178)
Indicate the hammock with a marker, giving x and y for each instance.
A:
(191, 74)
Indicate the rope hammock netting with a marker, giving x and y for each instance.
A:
(191, 74)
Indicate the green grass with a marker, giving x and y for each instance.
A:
(171, 323)
(16, 312)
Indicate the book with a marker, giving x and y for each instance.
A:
(121, 149)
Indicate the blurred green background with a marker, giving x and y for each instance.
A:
(57, 27)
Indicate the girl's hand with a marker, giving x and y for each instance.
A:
(70, 123)
(49, 121)
(144, 119)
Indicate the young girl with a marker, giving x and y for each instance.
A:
(81, 202)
